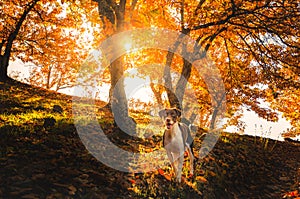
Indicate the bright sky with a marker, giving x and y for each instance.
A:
(261, 127)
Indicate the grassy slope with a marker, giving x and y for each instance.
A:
(38, 161)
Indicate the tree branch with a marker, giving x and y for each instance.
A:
(108, 9)
(12, 36)
(215, 23)
(133, 4)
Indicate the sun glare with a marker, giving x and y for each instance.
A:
(127, 46)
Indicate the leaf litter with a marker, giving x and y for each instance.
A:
(53, 163)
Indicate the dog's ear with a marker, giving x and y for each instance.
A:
(162, 113)
(178, 112)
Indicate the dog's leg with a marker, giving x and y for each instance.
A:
(191, 156)
(171, 158)
(179, 167)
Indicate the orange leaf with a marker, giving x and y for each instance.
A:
(168, 177)
(132, 181)
(161, 172)
(201, 179)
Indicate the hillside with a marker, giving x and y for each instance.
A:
(42, 156)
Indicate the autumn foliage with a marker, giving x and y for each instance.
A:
(254, 44)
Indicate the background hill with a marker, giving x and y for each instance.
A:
(41, 156)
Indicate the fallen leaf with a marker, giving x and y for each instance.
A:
(201, 179)
(161, 172)
(212, 173)
(132, 181)
(72, 190)
(168, 177)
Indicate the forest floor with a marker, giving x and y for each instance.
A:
(42, 156)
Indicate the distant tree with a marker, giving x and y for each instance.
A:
(56, 76)
(68, 49)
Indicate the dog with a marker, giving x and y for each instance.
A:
(176, 140)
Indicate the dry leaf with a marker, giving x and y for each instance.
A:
(201, 179)
(72, 190)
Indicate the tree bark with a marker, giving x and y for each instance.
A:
(118, 98)
(48, 86)
(172, 97)
(4, 61)
(157, 90)
(118, 103)
(183, 80)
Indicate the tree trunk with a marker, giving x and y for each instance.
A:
(182, 82)
(4, 60)
(157, 90)
(168, 80)
(217, 108)
(48, 86)
(214, 118)
(175, 99)
(118, 99)
(117, 95)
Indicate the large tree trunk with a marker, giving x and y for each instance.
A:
(117, 95)
(183, 80)
(175, 96)
(173, 100)
(118, 98)
(4, 60)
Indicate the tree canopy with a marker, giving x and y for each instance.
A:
(46, 34)
(254, 44)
